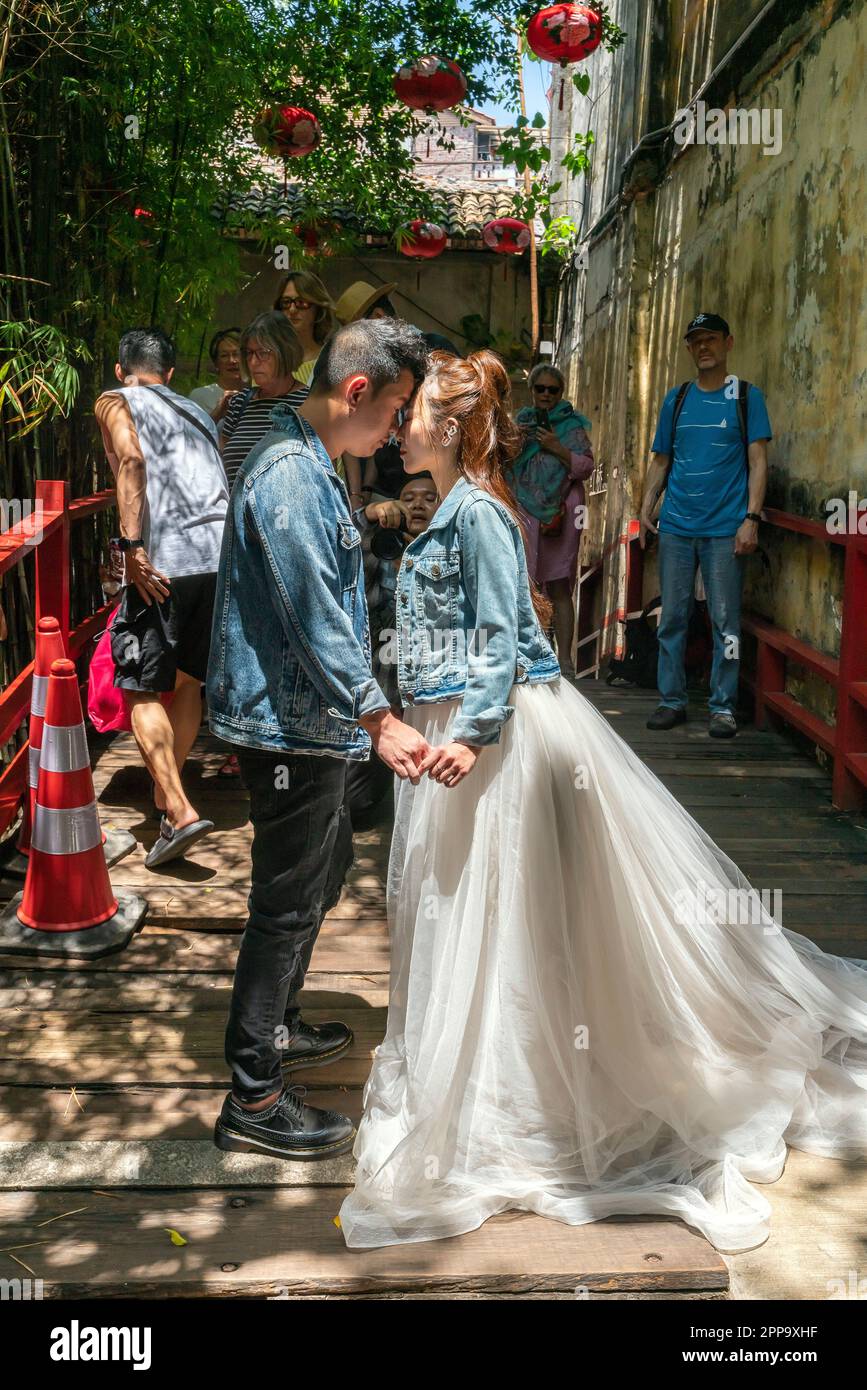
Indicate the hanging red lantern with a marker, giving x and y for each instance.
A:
(564, 33)
(308, 236)
(430, 84)
(286, 132)
(508, 236)
(426, 240)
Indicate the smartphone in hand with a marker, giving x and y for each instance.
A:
(543, 420)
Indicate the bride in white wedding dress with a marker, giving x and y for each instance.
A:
(590, 1012)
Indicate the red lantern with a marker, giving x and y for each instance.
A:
(430, 84)
(508, 236)
(427, 240)
(286, 132)
(308, 236)
(564, 33)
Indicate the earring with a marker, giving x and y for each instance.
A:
(449, 435)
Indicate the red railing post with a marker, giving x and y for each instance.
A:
(52, 556)
(848, 790)
(770, 679)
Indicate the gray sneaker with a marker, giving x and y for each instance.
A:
(722, 726)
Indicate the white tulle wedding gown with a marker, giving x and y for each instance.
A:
(577, 1026)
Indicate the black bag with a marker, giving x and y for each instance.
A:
(638, 667)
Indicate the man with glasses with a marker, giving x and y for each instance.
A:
(290, 687)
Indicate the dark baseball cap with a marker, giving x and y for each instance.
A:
(708, 323)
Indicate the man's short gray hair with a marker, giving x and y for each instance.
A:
(273, 330)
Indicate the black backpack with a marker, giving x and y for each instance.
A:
(638, 666)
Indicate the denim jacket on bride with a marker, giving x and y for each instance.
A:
(466, 625)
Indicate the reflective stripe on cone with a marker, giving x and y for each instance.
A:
(67, 886)
(49, 648)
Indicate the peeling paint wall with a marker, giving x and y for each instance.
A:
(775, 242)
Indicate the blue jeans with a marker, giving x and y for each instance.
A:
(723, 575)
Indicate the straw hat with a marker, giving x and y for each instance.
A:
(354, 303)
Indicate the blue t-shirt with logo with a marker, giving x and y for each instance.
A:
(707, 493)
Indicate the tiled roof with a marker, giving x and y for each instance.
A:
(465, 208)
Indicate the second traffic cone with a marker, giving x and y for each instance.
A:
(68, 902)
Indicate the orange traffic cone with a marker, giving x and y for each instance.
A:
(68, 907)
(50, 648)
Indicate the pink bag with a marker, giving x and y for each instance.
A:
(107, 709)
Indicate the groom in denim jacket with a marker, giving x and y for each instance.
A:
(290, 686)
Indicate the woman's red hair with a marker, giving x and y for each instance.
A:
(476, 392)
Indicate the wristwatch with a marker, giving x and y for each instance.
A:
(752, 516)
(125, 544)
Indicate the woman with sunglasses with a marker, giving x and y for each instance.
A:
(307, 305)
(547, 480)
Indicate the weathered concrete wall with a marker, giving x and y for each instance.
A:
(775, 242)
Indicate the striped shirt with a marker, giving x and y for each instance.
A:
(247, 420)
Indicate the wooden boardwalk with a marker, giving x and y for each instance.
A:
(112, 1072)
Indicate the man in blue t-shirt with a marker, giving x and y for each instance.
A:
(710, 456)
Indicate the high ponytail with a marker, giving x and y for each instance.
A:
(476, 391)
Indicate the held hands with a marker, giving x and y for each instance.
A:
(450, 763)
(401, 747)
(150, 583)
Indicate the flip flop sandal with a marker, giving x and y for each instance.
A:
(174, 843)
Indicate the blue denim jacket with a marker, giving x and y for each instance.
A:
(290, 643)
(465, 618)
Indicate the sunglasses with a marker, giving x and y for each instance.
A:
(547, 390)
(295, 303)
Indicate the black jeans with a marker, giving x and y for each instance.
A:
(302, 850)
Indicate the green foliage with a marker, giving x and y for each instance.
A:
(37, 373)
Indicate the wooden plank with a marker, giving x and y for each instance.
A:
(133, 993)
(284, 1242)
(56, 1049)
(34, 1113)
(343, 945)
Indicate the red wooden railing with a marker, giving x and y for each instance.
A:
(846, 739)
(46, 531)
